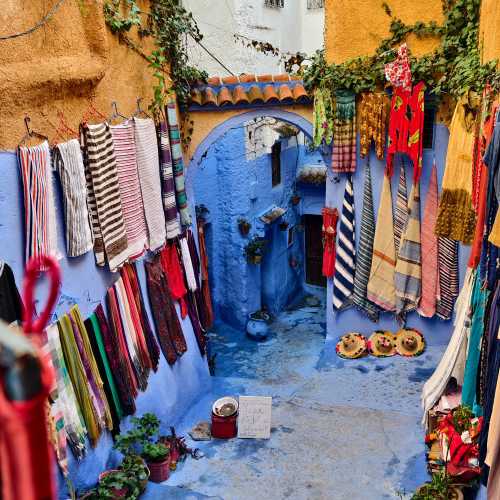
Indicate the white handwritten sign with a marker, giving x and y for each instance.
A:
(254, 417)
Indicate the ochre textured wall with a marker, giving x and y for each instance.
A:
(490, 34)
(356, 27)
(206, 121)
(73, 58)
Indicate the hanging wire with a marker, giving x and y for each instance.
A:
(215, 58)
(45, 19)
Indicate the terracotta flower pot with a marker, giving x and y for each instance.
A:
(159, 471)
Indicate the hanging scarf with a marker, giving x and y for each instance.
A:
(103, 196)
(448, 277)
(381, 289)
(175, 278)
(178, 163)
(205, 285)
(69, 163)
(345, 260)
(365, 251)
(118, 361)
(188, 265)
(344, 139)
(323, 117)
(456, 217)
(65, 400)
(130, 188)
(373, 111)
(398, 72)
(430, 266)
(78, 378)
(109, 385)
(129, 273)
(406, 127)
(452, 363)
(40, 220)
(401, 212)
(408, 272)
(149, 175)
(168, 184)
(329, 230)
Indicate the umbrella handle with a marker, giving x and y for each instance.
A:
(33, 269)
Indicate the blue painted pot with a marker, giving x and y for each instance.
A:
(258, 328)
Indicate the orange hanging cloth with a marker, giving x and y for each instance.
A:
(330, 218)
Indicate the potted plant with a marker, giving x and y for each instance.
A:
(258, 325)
(244, 226)
(143, 440)
(440, 488)
(254, 250)
(117, 484)
(134, 465)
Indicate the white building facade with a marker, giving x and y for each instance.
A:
(289, 25)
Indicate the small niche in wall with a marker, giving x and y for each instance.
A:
(276, 163)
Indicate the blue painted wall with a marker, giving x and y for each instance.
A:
(436, 332)
(171, 390)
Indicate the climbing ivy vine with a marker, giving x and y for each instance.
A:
(169, 24)
(453, 68)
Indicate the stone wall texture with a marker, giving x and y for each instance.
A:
(60, 67)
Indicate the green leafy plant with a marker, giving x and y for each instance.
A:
(155, 452)
(462, 416)
(438, 489)
(255, 248)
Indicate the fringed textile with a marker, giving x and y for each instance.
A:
(344, 138)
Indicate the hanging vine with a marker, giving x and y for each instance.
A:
(454, 67)
(169, 24)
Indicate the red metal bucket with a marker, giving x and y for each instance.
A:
(224, 427)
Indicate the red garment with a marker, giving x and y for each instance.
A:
(175, 277)
(330, 218)
(398, 72)
(477, 243)
(406, 127)
(26, 457)
(209, 313)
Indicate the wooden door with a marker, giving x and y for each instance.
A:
(314, 250)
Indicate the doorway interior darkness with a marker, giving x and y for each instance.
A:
(314, 250)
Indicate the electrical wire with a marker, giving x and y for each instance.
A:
(215, 58)
(45, 19)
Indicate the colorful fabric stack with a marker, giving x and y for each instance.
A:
(345, 259)
(344, 138)
(178, 163)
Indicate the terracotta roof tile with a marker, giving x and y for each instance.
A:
(285, 93)
(285, 77)
(196, 96)
(230, 80)
(240, 95)
(264, 78)
(299, 93)
(247, 78)
(270, 94)
(214, 81)
(209, 97)
(255, 95)
(224, 98)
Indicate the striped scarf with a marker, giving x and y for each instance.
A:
(408, 272)
(448, 277)
(105, 207)
(178, 163)
(149, 175)
(430, 266)
(39, 206)
(401, 212)
(381, 289)
(344, 138)
(365, 250)
(130, 190)
(345, 260)
(168, 185)
(64, 398)
(69, 163)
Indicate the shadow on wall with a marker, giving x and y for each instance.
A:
(236, 182)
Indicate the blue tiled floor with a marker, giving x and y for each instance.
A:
(341, 429)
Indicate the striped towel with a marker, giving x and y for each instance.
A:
(39, 205)
(69, 163)
(381, 289)
(130, 189)
(148, 165)
(408, 273)
(448, 277)
(178, 163)
(103, 196)
(428, 301)
(345, 261)
(401, 212)
(344, 138)
(167, 184)
(365, 251)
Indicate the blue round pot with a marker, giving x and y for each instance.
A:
(258, 329)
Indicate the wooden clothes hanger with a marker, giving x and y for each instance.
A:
(30, 134)
(116, 114)
(139, 111)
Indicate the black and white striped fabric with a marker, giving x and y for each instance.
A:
(448, 277)
(69, 163)
(401, 212)
(345, 261)
(365, 251)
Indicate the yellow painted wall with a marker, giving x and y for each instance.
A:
(206, 121)
(356, 27)
(490, 29)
